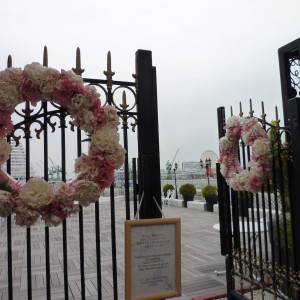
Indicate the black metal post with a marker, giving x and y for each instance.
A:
(207, 174)
(176, 194)
(148, 138)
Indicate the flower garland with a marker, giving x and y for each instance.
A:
(95, 170)
(260, 164)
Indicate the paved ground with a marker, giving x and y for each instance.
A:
(200, 255)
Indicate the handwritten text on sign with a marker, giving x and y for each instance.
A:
(153, 259)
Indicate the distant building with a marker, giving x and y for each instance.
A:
(191, 166)
(18, 163)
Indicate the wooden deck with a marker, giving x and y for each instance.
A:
(200, 256)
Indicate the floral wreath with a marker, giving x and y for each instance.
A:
(260, 164)
(95, 171)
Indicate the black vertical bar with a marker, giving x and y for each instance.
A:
(134, 184)
(113, 241)
(98, 250)
(47, 243)
(27, 151)
(223, 197)
(9, 245)
(65, 259)
(126, 170)
(81, 247)
(224, 213)
(81, 236)
(148, 138)
(9, 259)
(294, 105)
(147, 184)
(112, 212)
(64, 224)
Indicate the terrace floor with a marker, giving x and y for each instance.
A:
(200, 248)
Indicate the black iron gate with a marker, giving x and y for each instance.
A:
(260, 232)
(141, 113)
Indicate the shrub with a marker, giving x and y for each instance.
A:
(167, 187)
(209, 190)
(187, 188)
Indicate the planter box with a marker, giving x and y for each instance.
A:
(210, 201)
(187, 197)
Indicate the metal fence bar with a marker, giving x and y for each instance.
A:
(126, 169)
(64, 223)
(9, 244)
(134, 184)
(28, 230)
(98, 250)
(9, 259)
(45, 129)
(113, 242)
(47, 243)
(81, 235)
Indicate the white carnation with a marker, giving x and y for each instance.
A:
(231, 121)
(261, 147)
(9, 96)
(5, 203)
(5, 151)
(105, 138)
(36, 193)
(86, 192)
(225, 143)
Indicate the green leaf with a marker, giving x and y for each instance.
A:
(273, 150)
(4, 186)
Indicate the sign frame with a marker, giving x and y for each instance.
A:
(176, 244)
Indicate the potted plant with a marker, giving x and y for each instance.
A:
(209, 192)
(188, 192)
(166, 188)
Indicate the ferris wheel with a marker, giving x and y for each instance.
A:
(210, 155)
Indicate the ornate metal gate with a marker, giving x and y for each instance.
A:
(259, 232)
(141, 114)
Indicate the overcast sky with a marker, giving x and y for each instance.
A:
(207, 53)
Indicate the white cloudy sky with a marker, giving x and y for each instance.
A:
(208, 53)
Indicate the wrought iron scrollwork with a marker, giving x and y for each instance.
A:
(264, 276)
(294, 74)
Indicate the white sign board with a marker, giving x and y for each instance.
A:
(152, 259)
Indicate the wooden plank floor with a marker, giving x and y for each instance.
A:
(200, 255)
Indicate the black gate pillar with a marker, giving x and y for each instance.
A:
(148, 139)
(294, 109)
(289, 62)
(288, 59)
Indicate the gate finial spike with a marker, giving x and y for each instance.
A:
(108, 73)
(45, 57)
(9, 61)
(263, 116)
(251, 112)
(78, 70)
(241, 111)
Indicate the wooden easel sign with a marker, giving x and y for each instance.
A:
(152, 259)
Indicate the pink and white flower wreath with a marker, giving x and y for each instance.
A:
(260, 164)
(95, 170)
